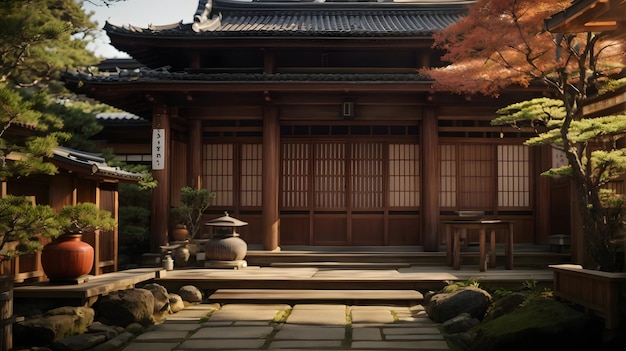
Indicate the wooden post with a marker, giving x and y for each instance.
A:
(6, 313)
(271, 152)
(429, 148)
(194, 152)
(161, 195)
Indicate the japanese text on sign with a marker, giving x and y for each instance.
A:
(158, 149)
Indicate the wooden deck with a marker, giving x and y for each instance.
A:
(356, 274)
(315, 278)
(88, 292)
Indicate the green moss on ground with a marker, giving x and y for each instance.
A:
(541, 322)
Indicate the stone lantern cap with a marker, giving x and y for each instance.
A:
(226, 221)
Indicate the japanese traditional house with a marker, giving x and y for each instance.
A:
(310, 121)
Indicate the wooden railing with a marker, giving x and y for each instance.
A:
(601, 293)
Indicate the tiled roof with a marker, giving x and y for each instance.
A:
(228, 18)
(91, 163)
(163, 75)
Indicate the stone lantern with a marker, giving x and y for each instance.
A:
(225, 249)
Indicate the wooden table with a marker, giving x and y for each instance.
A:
(455, 228)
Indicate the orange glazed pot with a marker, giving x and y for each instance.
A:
(67, 258)
(180, 233)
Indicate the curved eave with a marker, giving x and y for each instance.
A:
(137, 95)
(90, 166)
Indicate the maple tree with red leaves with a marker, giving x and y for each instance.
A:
(502, 43)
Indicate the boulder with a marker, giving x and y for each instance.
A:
(459, 324)
(507, 304)
(176, 303)
(190, 293)
(54, 325)
(116, 343)
(541, 324)
(161, 298)
(79, 342)
(472, 300)
(125, 307)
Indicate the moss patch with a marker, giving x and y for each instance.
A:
(541, 322)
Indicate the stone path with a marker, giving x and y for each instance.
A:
(301, 327)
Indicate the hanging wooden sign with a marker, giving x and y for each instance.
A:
(158, 149)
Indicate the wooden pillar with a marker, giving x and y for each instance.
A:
(429, 147)
(161, 194)
(194, 154)
(271, 173)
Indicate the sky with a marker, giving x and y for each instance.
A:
(138, 13)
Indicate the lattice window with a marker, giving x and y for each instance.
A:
(447, 180)
(251, 174)
(366, 175)
(513, 176)
(404, 176)
(330, 173)
(476, 177)
(218, 172)
(295, 171)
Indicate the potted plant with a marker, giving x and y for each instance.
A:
(22, 224)
(67, 258)
(188, 217)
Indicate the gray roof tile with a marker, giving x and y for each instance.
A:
(352, 19)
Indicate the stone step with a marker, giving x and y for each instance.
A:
(292, 296)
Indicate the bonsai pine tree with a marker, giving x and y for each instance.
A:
(21, 224)
(193, 204)
(84, 217)
(503, 43)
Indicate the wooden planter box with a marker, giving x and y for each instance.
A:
(601, 293)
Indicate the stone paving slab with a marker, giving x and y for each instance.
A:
(221, 344)
(362, 334)
(152, 346)
(400, 345)
(245, 313)
(242, 332)
(318, 314)
(301, 332)
(307, 345)
(177, 326)
(380, 316)
(162, 335)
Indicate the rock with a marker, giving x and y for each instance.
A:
(134, 328)
(161, 298)
(505, 305)
(125, 307)
(115, 343)
(444, 306)
(109, 331)
(54, 325)
(542, 324)
(190, 293)
(176, 303)
(461, 340)
(459, 324)
(79, 342)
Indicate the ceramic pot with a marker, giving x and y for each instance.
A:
(180, 233)
(67, 258)
(226, 248)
